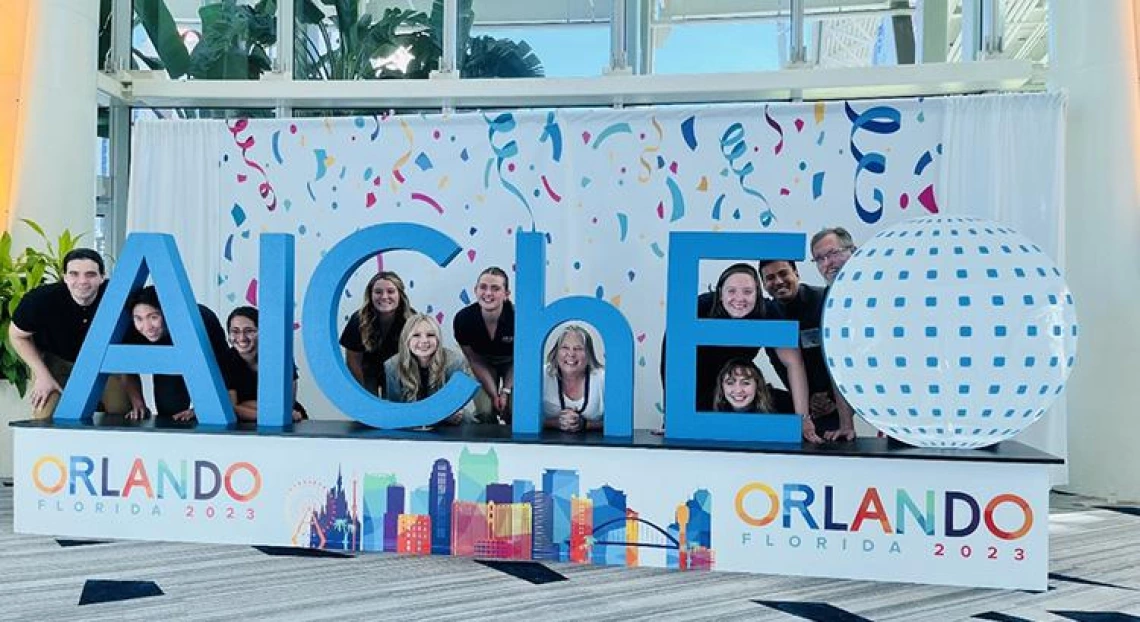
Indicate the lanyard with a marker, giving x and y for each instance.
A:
(585, 394)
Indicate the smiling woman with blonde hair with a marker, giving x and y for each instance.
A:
(422, 366)
(573, 395)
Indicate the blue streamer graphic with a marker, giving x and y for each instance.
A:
(881, 120)
(623, 226)
(716, 207)
(616, 128)
(688, 132)
(552, 132)
(504, 124)
(277, 147)
(320, 156)
(678, 200)
(922, 163)
(734, 148)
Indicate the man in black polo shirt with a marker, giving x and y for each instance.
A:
(171, 397)
(48, 329)
(485, 331)
(792, 300)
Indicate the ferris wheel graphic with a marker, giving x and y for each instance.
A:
(303, 500)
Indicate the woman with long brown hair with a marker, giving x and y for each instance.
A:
(372, 335)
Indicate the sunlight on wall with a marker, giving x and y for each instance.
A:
(12, 34)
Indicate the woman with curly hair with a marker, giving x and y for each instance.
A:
(372, 335)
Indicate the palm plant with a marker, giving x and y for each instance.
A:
(343, 46)
(233, 44)
(20, 273)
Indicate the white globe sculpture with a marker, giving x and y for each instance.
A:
(950, 332)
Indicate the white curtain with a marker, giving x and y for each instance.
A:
(1005, 162)
(175, 187)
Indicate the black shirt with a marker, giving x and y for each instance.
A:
(244, 381)
(58, 324)
(807, 309)
(710, 359)
(471, 331)
(170, 393)
(373, 363)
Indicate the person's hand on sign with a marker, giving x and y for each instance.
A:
(809, 432)
(185, 416)
(569, 420)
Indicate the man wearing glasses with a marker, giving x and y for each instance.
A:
(830, 250)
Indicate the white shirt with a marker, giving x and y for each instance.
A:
(595, 404)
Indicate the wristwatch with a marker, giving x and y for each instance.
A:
(505, 391)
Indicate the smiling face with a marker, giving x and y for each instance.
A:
(572, 359)
(243, 335)
(738, 295)
(830, 255)
(149, 322)
(423, 342)
(385, 297)
(83, 278)
(491, 291)
(781, 280)
(739, 389)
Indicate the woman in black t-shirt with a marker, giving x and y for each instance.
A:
(372, 335)
(242, 328)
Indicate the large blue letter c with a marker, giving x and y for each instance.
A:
(320, 335)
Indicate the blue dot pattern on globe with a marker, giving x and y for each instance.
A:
(950, 332)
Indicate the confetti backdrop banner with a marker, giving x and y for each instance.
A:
(605, 186)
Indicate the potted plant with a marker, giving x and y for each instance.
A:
(21, 272)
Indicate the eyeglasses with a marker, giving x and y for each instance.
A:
(243, 332)
(832, 254)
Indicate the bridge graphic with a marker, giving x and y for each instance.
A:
(649, 535)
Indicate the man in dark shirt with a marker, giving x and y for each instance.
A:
(171, 397)
(792, 300)
(48, 329)
(485, 331)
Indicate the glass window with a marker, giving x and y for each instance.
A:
(870, 32)
(139, 114)
(389, 39)
(567, 38)
(205, 39)
(715, 37)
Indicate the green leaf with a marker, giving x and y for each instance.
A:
(163, 32)
(308, 12)
(501, 58)
(35, 227)
(152, 63)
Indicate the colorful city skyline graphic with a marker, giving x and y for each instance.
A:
(465, 510)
